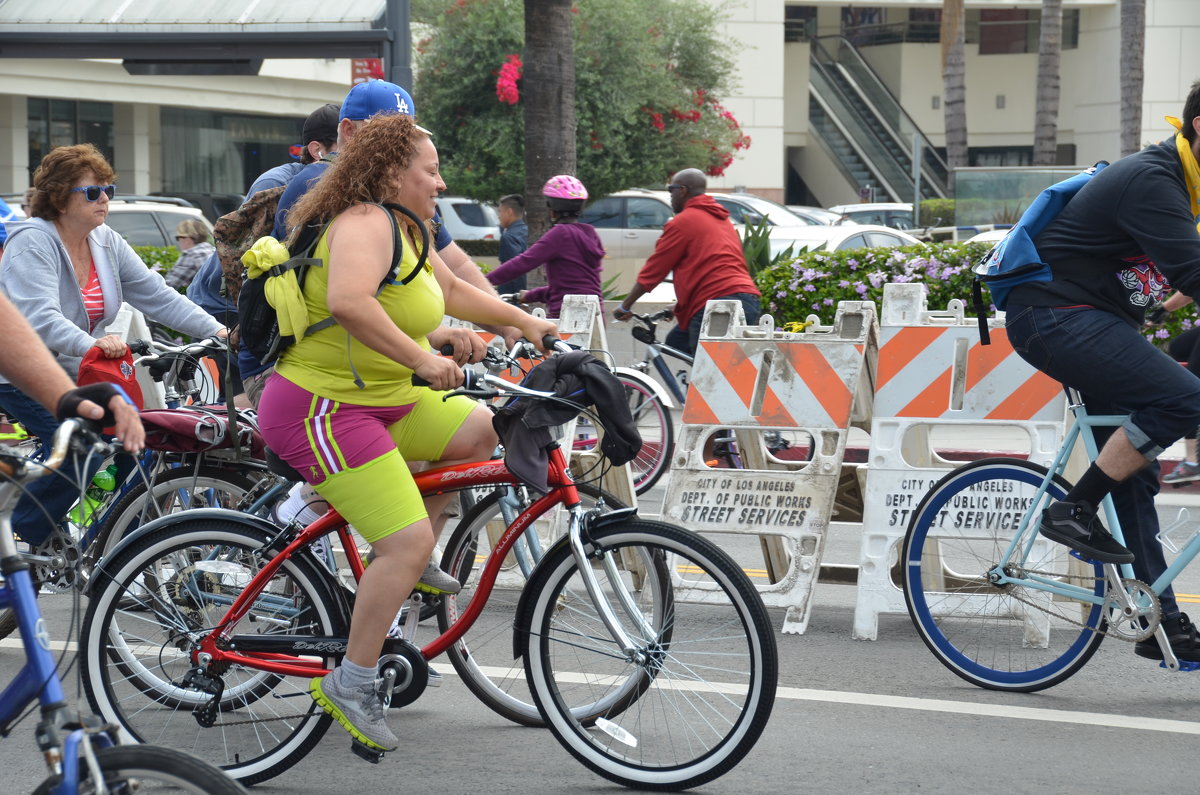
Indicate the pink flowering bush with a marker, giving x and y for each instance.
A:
(506, 83)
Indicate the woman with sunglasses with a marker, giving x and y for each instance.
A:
(68, 274)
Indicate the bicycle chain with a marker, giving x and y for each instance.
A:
(1081, 578)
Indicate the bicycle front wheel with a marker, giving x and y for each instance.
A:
(483, 657)
(148, 769)
(150, 606)
(690, 701)
(1007, 636)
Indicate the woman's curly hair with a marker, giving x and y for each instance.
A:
(364, 171)
(58, 172)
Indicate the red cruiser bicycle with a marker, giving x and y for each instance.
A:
(645, 649)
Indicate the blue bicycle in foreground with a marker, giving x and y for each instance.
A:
(82, 754)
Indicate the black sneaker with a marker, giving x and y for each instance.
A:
(1068, 523)
(1181, 634)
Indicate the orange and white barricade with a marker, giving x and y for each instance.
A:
(939, 390)
(763, 384)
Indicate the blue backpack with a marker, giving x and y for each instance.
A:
(1015, 260)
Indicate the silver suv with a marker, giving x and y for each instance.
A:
(150, 220)
(629, 222)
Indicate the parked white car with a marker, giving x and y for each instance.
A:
(845, 236)
(151, 220)
(894, 214)
(467, 219)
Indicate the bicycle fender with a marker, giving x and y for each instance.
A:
(659, 390)
(225, 514)
(521, 617)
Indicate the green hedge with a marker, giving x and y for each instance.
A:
(480, 248)
(160, 258)
(814, 282)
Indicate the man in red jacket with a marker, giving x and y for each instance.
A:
(703, 249)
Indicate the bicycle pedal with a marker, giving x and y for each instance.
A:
(372, 755)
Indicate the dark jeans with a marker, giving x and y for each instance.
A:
(1117, 371)
(687, 339)
(48, 499)
(1185, 347)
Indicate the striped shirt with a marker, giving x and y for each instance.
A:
(93, 298)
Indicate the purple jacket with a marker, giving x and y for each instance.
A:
(573, 256)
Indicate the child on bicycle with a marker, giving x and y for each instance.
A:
(570, 250)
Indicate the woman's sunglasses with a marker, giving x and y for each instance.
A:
(92, 192)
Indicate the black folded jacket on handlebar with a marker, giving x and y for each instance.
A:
(524, 424)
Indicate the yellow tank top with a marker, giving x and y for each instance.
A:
(321, 362)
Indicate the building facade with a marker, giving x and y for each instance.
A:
(216, 133)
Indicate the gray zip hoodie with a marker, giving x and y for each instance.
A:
(37, 276)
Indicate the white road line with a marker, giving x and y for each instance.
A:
(1131, 722)
(992, 710)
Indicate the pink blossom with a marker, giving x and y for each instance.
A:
(506, 83)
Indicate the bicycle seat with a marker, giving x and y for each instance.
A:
(281, 467)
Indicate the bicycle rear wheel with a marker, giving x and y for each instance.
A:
(173, 490)
(152, 603)
(691, 701)
(1008, 637)
(484, 657)
(148, 769)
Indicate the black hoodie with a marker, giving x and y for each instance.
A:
(1123, 241)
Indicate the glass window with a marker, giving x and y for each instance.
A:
(604, 214)
(647, 213)
(474, 214)
(900, 219)
(61, 122)
(139, 228)
(854, 241)
(882, 240)
(735, 210)
(224, 151)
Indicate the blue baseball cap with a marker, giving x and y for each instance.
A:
(373, 97)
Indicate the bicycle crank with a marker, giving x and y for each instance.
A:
(1131, 608)
(403, 673)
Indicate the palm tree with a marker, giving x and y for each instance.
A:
(549, 99)
(1045, 126)
(1133, 52)
(954, 90)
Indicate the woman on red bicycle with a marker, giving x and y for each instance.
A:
(341, 407)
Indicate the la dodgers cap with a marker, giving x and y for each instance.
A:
(376, 96)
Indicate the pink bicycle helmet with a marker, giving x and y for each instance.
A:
(565, 194)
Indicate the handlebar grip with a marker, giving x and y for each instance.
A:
(445, 350)
(552, 343)
(470, 380)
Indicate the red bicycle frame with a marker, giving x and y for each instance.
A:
(430, 482)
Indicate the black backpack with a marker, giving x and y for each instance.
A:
(257, 319)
